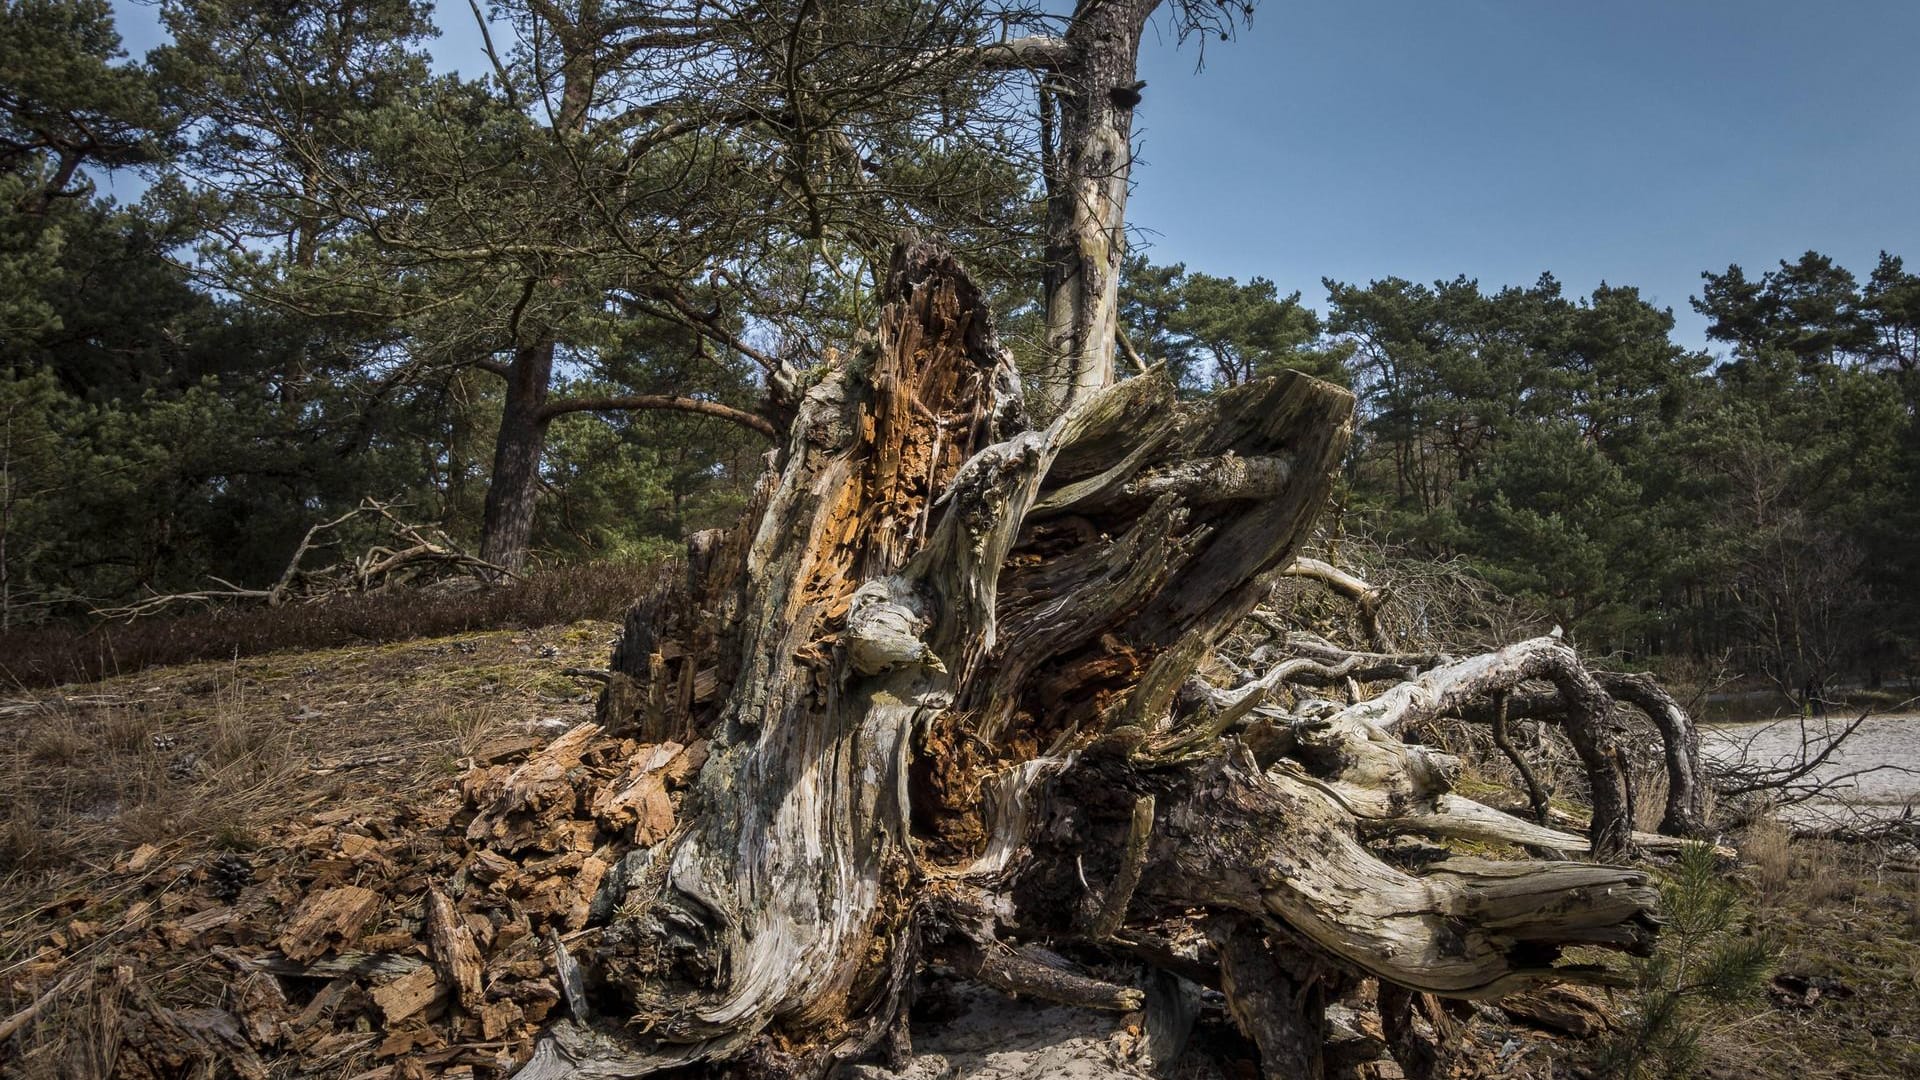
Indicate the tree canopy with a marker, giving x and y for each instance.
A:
(562, 306)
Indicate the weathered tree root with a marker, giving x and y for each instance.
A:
(1502, 741)
(945, 671)
(1685, 814)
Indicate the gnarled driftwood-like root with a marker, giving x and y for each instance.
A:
(945, 674)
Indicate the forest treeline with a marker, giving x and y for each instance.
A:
(565, 324)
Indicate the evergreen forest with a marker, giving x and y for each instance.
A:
(278, 266)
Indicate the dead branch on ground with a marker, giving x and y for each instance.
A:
(414, 556)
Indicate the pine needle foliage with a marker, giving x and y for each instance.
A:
(1708, 956)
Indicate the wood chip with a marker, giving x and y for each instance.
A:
(525, 809)
(493, 868)
(585, 884)
(406, 1040)
(326, 871)
(307, 1026)
(481, 928)
(366, 965)
(180, 931)
(572, 981)
(454, 950)
(408, 995)
(639, 798)
(498, 750)
(262, 1008)
(388, 941)
(136, 914)
(142, 857)
(329, 921)
(497, 1018)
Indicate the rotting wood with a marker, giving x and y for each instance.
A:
(1133, 861)
(1277, 993)
(1018, 973)
(939, 626)
(329, 921)
(454, 952)
(1416, 1054)
(1561, 1009)
(409, 994)
(360, 964)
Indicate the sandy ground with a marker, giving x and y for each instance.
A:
(993, 1037)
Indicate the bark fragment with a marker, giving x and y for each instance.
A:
(329, 921)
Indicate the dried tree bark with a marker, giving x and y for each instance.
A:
(945, 671)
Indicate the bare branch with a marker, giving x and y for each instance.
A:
(674, 402)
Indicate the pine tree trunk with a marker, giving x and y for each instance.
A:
(1087, 198)
(513, 491)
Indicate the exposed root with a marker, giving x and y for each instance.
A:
(955, 658)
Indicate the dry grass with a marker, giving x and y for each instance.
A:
(1649, 797)
(219, 757)
(1767, 849)
(1913, 913)
(1837, 914)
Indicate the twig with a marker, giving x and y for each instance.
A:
(25, 1016)
(1747, 780)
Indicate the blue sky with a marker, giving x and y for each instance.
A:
(1637, 142)
(1631, 141)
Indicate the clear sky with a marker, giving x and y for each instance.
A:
(1633, 141)
(1637, 142)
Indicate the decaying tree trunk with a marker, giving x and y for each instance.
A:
(945, 670)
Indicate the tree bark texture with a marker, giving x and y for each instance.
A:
(944, 672)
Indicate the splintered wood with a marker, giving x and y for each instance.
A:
(411, 945)
(409, 994)
(454, 953)
(327, 921)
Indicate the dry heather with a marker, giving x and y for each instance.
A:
(37, 656)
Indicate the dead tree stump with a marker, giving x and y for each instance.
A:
(945, 670)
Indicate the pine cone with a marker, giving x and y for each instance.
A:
(229, 874)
